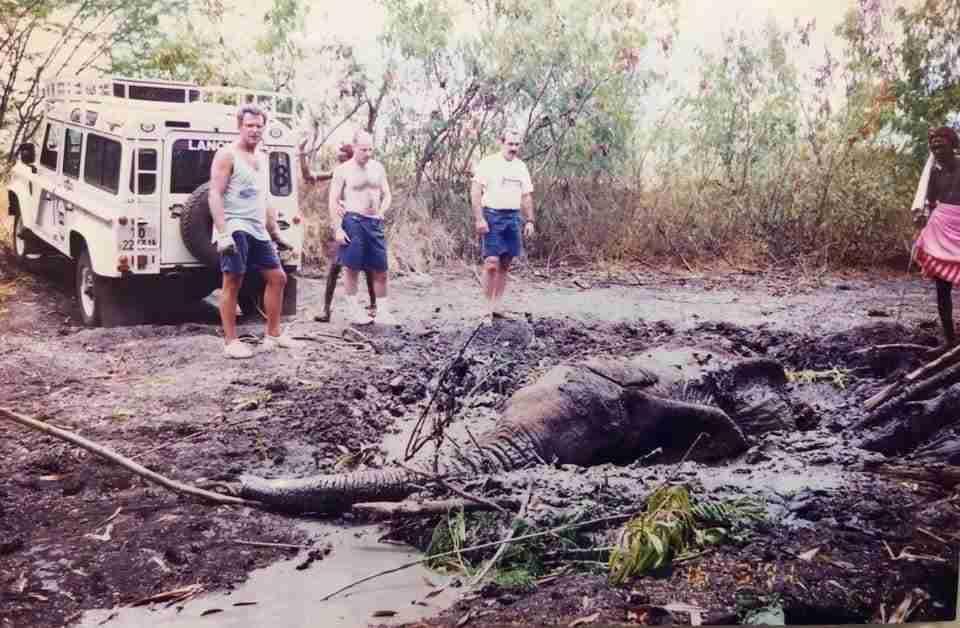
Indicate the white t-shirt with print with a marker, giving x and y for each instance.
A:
(504, 182)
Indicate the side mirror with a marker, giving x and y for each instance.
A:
(28, 153)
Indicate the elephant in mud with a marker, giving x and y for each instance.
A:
(601, 410)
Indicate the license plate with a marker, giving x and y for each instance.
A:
(140, 236)
(146, 236)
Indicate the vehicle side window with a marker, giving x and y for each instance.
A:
(71, 153)
(102, 166)
(51, 146)
(280, 181)
(147, 178)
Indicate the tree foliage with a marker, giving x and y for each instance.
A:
(45, 39)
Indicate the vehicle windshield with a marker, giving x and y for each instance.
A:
(191, 161)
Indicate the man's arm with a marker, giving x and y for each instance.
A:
(333, 202)
(386, 197)
(220, 171)
(476, 200)
(526, 203)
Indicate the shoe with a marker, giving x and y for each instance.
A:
(237, 349)
(356, 314)
(283, 340)
(386, 317)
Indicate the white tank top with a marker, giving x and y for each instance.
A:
(244, 201)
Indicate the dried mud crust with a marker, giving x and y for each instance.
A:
(62, 550)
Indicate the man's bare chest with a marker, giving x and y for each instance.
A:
(362, 180)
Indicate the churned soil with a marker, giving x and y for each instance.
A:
(77, 532)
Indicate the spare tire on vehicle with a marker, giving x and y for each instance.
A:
(196, 228)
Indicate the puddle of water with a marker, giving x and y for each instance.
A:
(287, 597)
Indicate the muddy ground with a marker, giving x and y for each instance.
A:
(77, 533)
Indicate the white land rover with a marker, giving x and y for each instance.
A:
(120, 186)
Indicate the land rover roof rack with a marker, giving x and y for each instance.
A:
(283, 107)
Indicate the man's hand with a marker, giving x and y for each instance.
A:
(528, 230)
(282, 244)
(225, 244)
(341, 209)
(482, 227)
(341, 236)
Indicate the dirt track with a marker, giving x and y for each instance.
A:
(166, 384)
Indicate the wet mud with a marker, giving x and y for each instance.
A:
(78, 534)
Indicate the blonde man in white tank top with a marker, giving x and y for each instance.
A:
(245, 229)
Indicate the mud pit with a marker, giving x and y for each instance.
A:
(78, 534)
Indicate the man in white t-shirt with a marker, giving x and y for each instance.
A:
(501, 189)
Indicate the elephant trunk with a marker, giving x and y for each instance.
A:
(329, 493)
(505, 449)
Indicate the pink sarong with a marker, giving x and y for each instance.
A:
(938, 246)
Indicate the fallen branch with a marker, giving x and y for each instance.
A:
(905, 346)
(426, 508)
(453, 489)
(193, 435)
(910, 393)
(176, 595)
(533, 535)
(275, 545)
(319, 337)
(943, 475)
(924, 371)
(363, 337)
(126, 463)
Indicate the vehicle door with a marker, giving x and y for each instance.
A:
(187, 160)
(48, 219)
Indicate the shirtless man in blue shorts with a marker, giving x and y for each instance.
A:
(360, 186)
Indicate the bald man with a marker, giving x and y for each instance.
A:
(360, 195)
(332, 248)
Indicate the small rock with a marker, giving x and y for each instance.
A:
(175, 556)
(277, 385)
(12, 545)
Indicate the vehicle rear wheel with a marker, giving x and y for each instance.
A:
(88, 291)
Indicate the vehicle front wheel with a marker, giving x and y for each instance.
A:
(88, 291)
(24, 242)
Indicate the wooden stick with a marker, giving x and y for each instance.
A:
(454, 489)
(193, 435)
(277, 545)
(532, 535)
(425, 508)
(129, 465)
(927, 369)
(412, 445)
(506, 541)
(911, 392)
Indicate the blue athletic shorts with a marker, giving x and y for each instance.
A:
(251, 254)
(504, 238)
(367, 249)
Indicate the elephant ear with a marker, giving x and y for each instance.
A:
(622, 371)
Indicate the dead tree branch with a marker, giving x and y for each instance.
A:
(126, 463)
